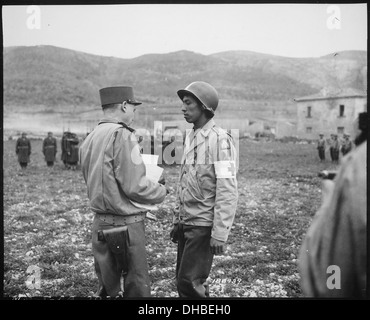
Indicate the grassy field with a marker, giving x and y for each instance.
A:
(47, 225)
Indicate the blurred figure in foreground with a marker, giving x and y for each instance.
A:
(23, 150)
(333, 259)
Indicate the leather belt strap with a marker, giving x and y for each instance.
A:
(121, 220)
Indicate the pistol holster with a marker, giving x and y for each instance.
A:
(117, 240)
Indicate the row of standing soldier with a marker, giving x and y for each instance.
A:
(334, 146)
(69, 146)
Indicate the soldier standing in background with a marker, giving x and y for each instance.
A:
(346, 144)
(207, 192)
(23, 150)
(64, 148)
(321, 144)
(72, 151)
(49, 149)
(336, 147)
(70, 155)
(330, 144)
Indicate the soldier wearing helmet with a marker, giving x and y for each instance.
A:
(207, 192)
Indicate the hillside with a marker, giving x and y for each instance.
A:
(50, 76)
(64, 83)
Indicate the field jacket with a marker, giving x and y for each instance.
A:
(114, 172)
(207, 191)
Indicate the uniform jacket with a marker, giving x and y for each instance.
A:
(338, 235)
(321, 144)
(334, 144)
(207, 192)
(114, 172)
(23, 149)
(49, 148)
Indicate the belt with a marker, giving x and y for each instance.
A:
(120, 220)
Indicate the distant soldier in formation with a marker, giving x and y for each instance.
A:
(334, 148)
(70, 150)
(49, 149)
(321, 147)
(23, 150)
(346, 144)
(330, 143)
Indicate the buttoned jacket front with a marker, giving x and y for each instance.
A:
(206, 197)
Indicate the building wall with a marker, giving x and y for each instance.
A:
(325, 116)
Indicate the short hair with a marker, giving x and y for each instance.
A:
(111, 106)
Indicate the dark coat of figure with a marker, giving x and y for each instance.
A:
(23, 150)
(70, 150)
(49, 149)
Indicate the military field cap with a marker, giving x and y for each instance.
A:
(119, 94)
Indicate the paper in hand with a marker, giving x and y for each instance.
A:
(153, 172)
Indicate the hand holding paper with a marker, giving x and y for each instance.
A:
(154, 173)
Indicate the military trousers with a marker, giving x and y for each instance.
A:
(321, 153)
(194, 261)
(136, 278)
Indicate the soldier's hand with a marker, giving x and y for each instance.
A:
(217, 246)
(174, 234)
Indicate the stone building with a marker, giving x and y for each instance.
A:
(329, 112)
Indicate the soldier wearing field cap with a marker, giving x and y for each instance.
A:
(114, 173)
(207, 191)
(23, 150)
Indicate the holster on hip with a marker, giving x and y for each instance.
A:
(117, 240)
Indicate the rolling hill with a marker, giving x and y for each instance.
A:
(58, 80)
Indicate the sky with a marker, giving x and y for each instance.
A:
(129, 31)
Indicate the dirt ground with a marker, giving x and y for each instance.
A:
(47, 221)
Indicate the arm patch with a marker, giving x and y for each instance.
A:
(225, 169)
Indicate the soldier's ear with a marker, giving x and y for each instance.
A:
(123, 106)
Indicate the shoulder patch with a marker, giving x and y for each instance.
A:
(219, 131)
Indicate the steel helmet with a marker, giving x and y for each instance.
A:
(204, 92)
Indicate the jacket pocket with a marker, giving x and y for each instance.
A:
(193, 191)
(207, 180)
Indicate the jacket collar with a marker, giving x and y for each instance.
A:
(111, 120)
(195, 138)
